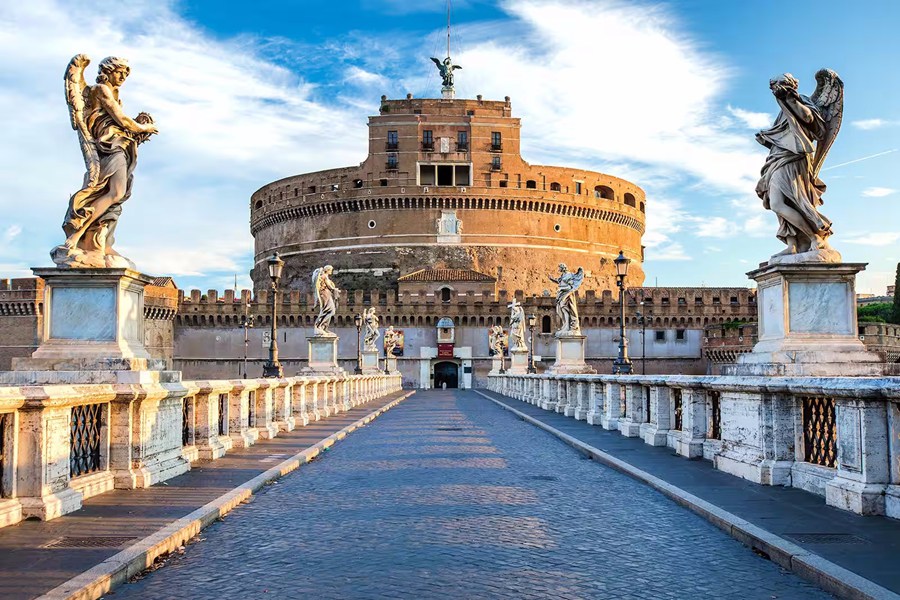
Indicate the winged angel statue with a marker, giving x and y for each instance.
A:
(109, 140)
(566, 300)
(325, 293)
(798, 143)
(446, 69)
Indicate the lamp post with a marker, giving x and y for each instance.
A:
(643, 319)
(247, 324)
(622, 365)
(532, 320)
(273, 368)
(358, 320)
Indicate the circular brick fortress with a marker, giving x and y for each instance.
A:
(444, 186)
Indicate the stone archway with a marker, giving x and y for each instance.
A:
(446, 372)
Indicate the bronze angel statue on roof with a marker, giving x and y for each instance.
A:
(798, 143)
(109, 139)
(446, 69)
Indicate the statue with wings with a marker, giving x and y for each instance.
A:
(798, 143)
(566, 300)
(325, 293)
(373, 329)
(517, 327)
(446, 68)
(391, 339)
(109, 139)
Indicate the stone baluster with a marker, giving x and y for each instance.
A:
(630, 424)
(596, 396)
(689, 442)
(299, 404)
(241, 399)
(655, 430)
(264, 415)
(583, 401)
(612, 407)
(210, 444)
(572, 398)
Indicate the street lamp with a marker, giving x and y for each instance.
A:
(622, 365)
(532, 320)
(273, 368)
(358, 320)
(247, 324)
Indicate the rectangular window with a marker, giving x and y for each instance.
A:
(462, 141)
(716, 300)
(427, 175)
(463, 175)
(428, 139)
(496, 141)
(680, 335)
(392, 140)
(578, 187)
(698, 300)
(495, 163)
(392, 161)
(660, 336)
(445, 174)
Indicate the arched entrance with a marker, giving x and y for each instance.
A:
(446, 372)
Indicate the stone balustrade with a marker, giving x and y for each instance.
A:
(835, 437)
(61, 444)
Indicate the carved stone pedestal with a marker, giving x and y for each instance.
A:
(518, 363)
(807, 324)
(323, 356)
(390, 364)
(496, 365)
(570, 356)
(370, 362)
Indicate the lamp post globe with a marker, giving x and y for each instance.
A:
(273, 368)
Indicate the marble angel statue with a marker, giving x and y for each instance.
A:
(390, 341)
(566, 300)
(373, 330)
(326, 294)
(495, 341)
(517, 327)
(798, 143)
(109, 140)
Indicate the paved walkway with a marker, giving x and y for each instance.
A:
(868, 546)
(450, 496)
(30, 566)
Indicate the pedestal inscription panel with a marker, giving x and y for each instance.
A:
(83, 313)
(819, 307)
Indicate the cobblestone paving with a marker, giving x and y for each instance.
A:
(450, 496)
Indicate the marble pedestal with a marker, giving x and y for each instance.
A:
(518, 362)
(570, 356)
(370, 361)
(496, 365)
(323, 356)
(390, 364)
(93, 331)
(807, 324)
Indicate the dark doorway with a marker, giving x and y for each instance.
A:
(446, 372)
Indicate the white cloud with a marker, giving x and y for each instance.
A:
(355, 74)
(869, 124)
(11, 233)
(753, 120)
(885, 238)
(878, 192)
(671, 251)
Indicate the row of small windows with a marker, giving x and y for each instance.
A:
(462, 140)
(682, 301)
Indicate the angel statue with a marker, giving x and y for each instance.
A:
(109, 139)
(517, 327)
(798, 143)
(325, 293)
(390, 341)
(446, 69)
(372, 329)
(566, 303)
(495, 341)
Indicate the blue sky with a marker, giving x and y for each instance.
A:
(667, 94)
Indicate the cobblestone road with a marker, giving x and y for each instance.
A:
(449, 496)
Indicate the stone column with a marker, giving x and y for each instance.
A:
(612, 407)
(574, 398)
(597, 392)
(892, 494)
(655, 432)
(693, 425)
(210, 445)
(551, 394)
(630, 424)
(299, 405)
(242, 398)
(584, 401)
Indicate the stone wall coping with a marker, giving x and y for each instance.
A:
(844, 387)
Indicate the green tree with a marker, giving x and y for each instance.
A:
(880, 312)
(895, 316)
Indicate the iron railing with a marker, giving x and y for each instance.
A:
(3, 421)
(186, 414)
(84, 443)
(819, 431)
(676, 404)
(715, 415)
(223, 414)
(647, 414)
(251, 409)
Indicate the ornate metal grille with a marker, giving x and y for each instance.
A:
(676, 403)
(647, 403)
(819, 431)
(186, 421)
(715, 416)
(622, 405)
(223, 414)
(251, 408)
(84, 442)
(3, 421)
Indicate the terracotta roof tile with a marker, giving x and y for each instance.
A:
(426, 275)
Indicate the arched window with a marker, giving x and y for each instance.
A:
(555, 187)
(259, 204)
(642, 207)
(531, 184)
(601, 191)
(546, 324)
(629, 199)
(445, 294)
